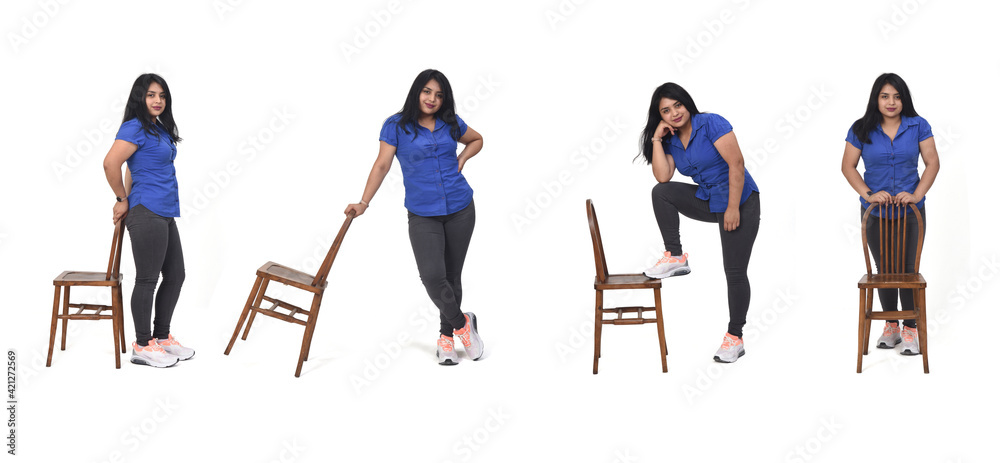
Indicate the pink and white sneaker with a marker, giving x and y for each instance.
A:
(175, 348)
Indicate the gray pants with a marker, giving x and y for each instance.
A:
(156, 247)
(439, 246)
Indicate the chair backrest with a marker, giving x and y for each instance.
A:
(891, 223)
(324, 269)
(595, 236)
(115, 261)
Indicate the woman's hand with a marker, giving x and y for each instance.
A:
(461, 162)
(905, 198)
(882, 197)
(358, 208)
(731, 219)
(662, 129)
(119, 211)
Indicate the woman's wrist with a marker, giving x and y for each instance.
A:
(365, 203)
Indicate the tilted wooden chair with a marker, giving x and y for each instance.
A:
(111, 279)
(606, 282)
(314, 284)
(892, 242)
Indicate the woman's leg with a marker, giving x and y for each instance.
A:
(458, 234)
(427, 237)
(887, 297)
(149, 235)
(170, 287)
(906, 295)
(736, 248)
(671, 199)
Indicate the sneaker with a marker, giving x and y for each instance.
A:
(175, 348)
(669, 266)
(446, 351)
(890, 336)
(731, 350)
(469, 335)
(910, 346)
(152, 355)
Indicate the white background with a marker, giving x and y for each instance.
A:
(559, 91)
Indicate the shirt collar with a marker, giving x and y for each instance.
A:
(904, 122)
(697, 122)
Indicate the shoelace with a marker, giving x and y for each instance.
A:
(667, 259)
(170, 341)
(445, 344)
(890, 329)
(909, 334)
(154, 347)
(728, 342)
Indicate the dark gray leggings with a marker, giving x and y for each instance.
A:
(672, 198)
(156, 247)
(439, 245)
(888, 297)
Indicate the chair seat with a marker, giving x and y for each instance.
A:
(289, 276)
(892, 280)
(73, 278)
(627, 281)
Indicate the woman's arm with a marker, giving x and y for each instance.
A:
(928, 151)
(381, 167)
(663, 163)
(849, 167)
(128, 181)
(473, 142)
(120, 151)
(730, 151)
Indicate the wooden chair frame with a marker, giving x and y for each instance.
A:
(314, 284)
(892, 243)
(110, 278)
(608, 282)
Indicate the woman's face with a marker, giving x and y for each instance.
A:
(431, 98)
(674, 113)
(156, 100)
(889, 102)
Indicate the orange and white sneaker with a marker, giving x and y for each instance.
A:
(890, 336)
(175, 348)
(731, 350)
(152, 355)
(910, 341)
(469, 335)
(446, 351)
(669, 266)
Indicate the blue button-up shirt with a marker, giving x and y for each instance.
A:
(154, 180)
(702, 162)
(429, 162)
(891, 165)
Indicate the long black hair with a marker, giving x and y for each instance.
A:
(410, 113)
(136, 107)
(872, 118)
(667, 90)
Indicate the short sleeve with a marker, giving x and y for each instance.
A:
(462, 126)
(717, 127)
(852, 138)
(131, 131)
(924, 130)
(390, 130)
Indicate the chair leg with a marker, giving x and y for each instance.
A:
(65, 318)
(307, 335)
(313, 313)
(121, 318)
(243, 314)
(922, 325)
(256, 303)
(659, 329)
(115, 308)
(52, 329)
(861, 328)
(598, 322)
(868, 318)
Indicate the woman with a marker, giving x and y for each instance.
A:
(424, 136)
(147, 200)
(890, 137)
(702, 146)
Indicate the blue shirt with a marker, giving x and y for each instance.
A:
(702, 162)
(154, 181)
(429, 162)
(891, 165)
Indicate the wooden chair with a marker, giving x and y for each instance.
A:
(892, 243)
(606, 282)
(314, 284)
(111, 279)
